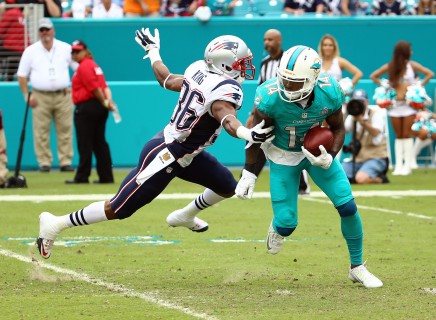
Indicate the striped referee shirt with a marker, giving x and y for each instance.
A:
(268, 68)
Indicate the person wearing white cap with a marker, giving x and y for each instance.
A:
(45, 64)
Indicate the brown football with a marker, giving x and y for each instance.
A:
(318, 136)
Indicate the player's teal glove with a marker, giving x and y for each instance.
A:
(324, 160)
(245, 187)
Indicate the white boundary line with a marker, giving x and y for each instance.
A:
(316, 194)
(118, 288)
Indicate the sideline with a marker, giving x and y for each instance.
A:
(263, 195)
(151, 297)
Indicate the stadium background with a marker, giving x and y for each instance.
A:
(367, 41)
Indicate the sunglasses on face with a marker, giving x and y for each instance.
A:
(44, 29)
(75, 51)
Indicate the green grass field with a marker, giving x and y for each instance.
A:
(140, 268)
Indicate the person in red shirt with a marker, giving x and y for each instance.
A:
(93, 100)
(12, 38)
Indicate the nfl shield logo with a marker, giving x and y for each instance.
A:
(304, 115)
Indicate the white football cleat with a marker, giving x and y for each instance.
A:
(48, 231)
(179, 219)
(362, 275)
(274, 241)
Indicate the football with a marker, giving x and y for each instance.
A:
(318, 136)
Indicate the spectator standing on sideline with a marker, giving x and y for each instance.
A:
(371, 160)
(299, 99)
(46, 64)
(12, 36)
(3, 158)
(52, 8)
(93, 100)
(402, 72)
(272, 41)
(107, 9)
(212, 93)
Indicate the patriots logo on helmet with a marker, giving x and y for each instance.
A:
(227, 45)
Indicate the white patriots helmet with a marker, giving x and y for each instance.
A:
(298, 73)
(229, 55)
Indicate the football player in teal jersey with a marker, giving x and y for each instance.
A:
(298, 99)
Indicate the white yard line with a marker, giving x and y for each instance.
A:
(409, 214)
(316, 194)
(118, 288)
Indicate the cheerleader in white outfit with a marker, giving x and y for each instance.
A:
(402, 73)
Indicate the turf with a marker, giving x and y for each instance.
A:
(211, 275)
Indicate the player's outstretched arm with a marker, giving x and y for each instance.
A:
(225, 113)
(151, 44)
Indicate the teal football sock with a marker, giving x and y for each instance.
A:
(352, 231)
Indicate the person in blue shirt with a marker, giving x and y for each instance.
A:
(298, 99)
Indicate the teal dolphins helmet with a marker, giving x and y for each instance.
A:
(298, 73)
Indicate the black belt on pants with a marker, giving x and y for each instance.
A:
(60, 91)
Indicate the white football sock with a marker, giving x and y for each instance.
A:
(91, 214)
(205, 200)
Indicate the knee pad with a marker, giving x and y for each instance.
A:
(284, 232)
(348, 209)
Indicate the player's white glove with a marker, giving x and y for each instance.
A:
(245, 187)
(257, 134)
(147, 41)
(324, 160)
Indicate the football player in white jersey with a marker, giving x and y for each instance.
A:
(210, 94)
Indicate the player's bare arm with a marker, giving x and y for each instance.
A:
(151, 44)
(336, 125)
(225, 112)
(165, 78)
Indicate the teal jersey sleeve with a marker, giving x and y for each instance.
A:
(291, 120)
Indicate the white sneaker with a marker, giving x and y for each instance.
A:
(274, 241)
(179, 219)
(362, 275)
(48, 231)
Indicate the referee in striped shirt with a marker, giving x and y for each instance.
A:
(272, 41)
